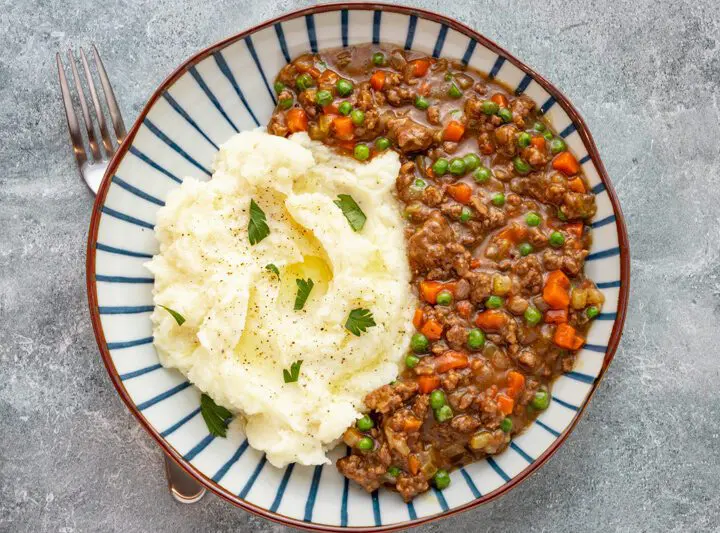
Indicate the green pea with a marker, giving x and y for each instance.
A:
(524, 139)
(494, 302)
(465, 214)
(476, 339)
(561, 215)
(533, 219)
(345, 108)
(454, 91)
(448, 76)
(444, 298)
(441, 479)
(541, 400)
(506, 425)
(557, 145)
(539, 126)
(482, 174)
(361, 152)
(548, 136)
(472, 161)
(440, 166)
(323, 98)
(365, 444)
(489, 107)
(525, 249)
(411, 361)
(382, 143)
(304, 81)
(505, 114)
(419, 343)
(378, 59)
(421, 102)
(444, 413)
(357, 116)
(591, 312)
(365, 423)
(420, 183)
(437, 399)
(557, 239)
(285, 103)
(344, 87)
(457, 166)
(279, 86)
(521, 166)
(498, 199)
(532, 316)
(394, 471)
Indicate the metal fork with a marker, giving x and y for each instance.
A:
(182, 486)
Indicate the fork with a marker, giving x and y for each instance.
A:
(182, 486)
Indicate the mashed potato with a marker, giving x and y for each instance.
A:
(241, 330)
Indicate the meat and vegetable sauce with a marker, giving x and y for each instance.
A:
(497, 235)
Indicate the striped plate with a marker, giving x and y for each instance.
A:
(227, 88)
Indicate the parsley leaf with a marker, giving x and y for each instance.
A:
(177, 316)
(359, 320)
(292, 375)
(257, 227)
(272, 268)
(304, 288)
(216, 416)
(349, 207)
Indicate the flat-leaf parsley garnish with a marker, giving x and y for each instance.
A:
(304, 288)
(257, 227)
(177, 316)
(216, 416)
(272, 268)
(291, 376)
(359, 320)
(349, 207)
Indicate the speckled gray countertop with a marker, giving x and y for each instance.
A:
(646, 457)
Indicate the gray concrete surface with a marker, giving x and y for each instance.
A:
(646, 457)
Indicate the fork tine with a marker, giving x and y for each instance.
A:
(110, 98)
(107, 142)
(94, 148)
(73, 125)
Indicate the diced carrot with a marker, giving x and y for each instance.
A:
(314, 72)
(555, 291)
(453, 131)
(491, 320)
(460, 192)
(505, 404)
(486, 148)
(424, 89)
(566, 163)
(513, 233)
(428, 383)
(500, 99)
(475, 262)
(558, 277)
(577, 185)
(343, 128)
(331, 109)
(297, 120)
(418, 318)
(420, 67)
(329, 76)
(516, 381)
(556, 316)
(464, 308)
(449, 360)
(575, 229)
(429, 290)
(566, 337)
(432, 329)
(377, 80)
(538, 142)
(430, 172)
(413, 464)
(412, 424)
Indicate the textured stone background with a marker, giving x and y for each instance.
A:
(646, 456)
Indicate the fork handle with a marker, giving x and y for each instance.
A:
(182, 485)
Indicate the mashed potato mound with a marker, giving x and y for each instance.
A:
(241, 330)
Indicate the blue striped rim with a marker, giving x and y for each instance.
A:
(547, 105)
(137, 192)
(127, 218)
(281, 39)
(253, 53)
(585, 159)
(141, 156)
(377, 17)
(251, 480)
(211, 96)
(565, 404)
(128, 344)
(469, 51)
(603, 222)
(281, 488)
(412, 24)
(177, 425)
(120, 251)
(578, 376)
(496, 67)
(546, 428)
(440, 42)
(344, 503)
(595, 348)
(122, 279)
(376, 507)
(606, 316)
(136, 373)
(608, 284)
(411, 511)
(600, 187)
(522, 453)
(344, 26)
(163, 396)
(225, 69)
(180, 111)
(234, 459)
(312, 37)
(470, 483)
(568, 131)
(167, 140)
(523, 85)
(125, 310)
(497, 469)
(200, 446)
(310, 504)
(604, 253)
(441, 499)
